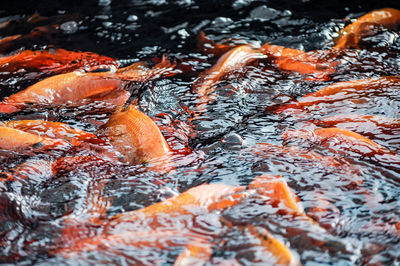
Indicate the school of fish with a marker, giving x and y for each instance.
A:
(71, 79)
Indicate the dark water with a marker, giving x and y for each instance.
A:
(361, 223)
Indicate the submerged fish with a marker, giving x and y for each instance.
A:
(278, 191)
(346, 90)
(141, 229)
(232, 60)
(55, 130)
(384, 129)
(17, 140)
(349, 145)
(339, 140)
(369, 24)
(320, 64)
(77, 88)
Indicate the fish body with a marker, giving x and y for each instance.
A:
(367, 25)
(319, 64)
(55, 61)
(136, 136)
(52, 130)
(15, 140)
(345, 90)
(232, 60)
(78, 88)
(276, 188)
(340, 140)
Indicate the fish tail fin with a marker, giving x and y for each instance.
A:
(203, 41)
(163, 69)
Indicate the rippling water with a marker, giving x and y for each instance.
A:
(236, 139)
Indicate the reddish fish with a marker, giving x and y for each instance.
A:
(77, 88)
(54, 61)
(369, 24)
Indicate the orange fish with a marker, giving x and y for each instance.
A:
(286, 156)
(320, 64)
(208, 46)
(137, 137)
(55, 130)
(346, 90)
(271, 244)
(369, 24)
(200, 197)
(36, 170)
(278, 191)
(16, 140)
(195, 253)
(232, 60)
(341, 141)
(379, 121)
(54, 61)
(375, 127)
(77, 88)
(189, 202)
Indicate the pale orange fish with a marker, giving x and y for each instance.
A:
(341, 141)
(137, 137)
(189, 202)
(210, 47)
(54, 61)
(320, 64)
(232, 60)
(282, 254)
(278, 191)
(195, 253)
(55, 130)
(197, 247)
(376, 127)
(77, 88)
(200, 197)
(364, 26)
(17, 140)
(344, 90)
